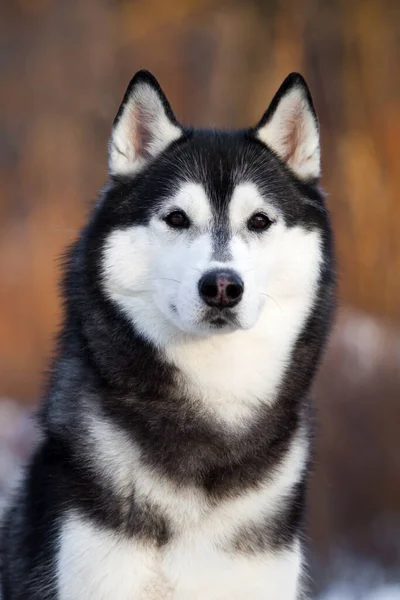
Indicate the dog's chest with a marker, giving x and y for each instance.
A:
(199, 560)
(95, 564)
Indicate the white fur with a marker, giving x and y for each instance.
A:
(199, 564)
(96, 564)
(143, 113)
(292, 132)
(147, 269)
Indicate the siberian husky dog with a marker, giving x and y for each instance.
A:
(176, 424)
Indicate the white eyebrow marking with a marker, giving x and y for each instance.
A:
(192, 198)
(246, 200)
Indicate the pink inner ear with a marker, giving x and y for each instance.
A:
(140, 132)
(292, 136)
(292, 132)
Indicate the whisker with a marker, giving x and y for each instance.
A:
(132, 293)
(137, 292)
(167, 279)
(273, 300)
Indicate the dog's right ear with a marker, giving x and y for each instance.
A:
(144, 126)
(290, 128)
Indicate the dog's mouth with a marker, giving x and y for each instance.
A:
(220, 319)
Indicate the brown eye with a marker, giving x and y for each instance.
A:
(177, 219)
(259, 222)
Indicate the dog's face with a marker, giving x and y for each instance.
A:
(204, 230)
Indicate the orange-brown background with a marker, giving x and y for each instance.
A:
(64, 66)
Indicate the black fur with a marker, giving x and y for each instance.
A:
(275, 532)
(103, 362)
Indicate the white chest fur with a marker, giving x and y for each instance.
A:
(199, 563)
(98, 565)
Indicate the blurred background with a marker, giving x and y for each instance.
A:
(64, 67)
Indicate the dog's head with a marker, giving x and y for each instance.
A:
(203, 231)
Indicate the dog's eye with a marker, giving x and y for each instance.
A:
(259, 222)
(177, 219)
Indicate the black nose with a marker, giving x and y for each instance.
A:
(222, 289)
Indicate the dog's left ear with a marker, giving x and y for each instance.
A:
(144, 126)
(290, 128)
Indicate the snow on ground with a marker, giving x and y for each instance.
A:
(355, 580)
(348, 592)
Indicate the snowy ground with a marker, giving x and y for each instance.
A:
(354, 592)
(17, 437)
(356, 579)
